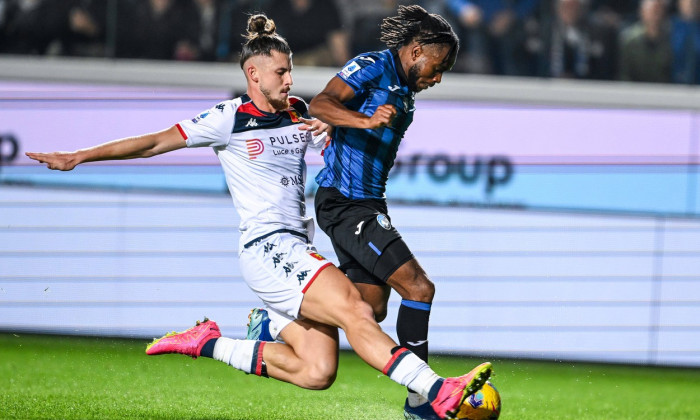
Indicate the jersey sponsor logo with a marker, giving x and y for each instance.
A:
(252, 123)
(349, 69)
(293, 180)
(316, 255)
(383, 221)
(255, 147)
(300, 137)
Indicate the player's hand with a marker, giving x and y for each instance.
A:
(62, 161)
(315, 126)
(382, 117)
(320, 130)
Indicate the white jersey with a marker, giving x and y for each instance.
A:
(262, 155)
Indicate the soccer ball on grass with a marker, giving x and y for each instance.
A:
(483, 405)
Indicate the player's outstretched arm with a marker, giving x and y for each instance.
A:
(127, 148)
(328, 106)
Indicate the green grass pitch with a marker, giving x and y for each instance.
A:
(50, 377)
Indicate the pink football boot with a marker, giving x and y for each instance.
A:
(188, 342)
(455, 390)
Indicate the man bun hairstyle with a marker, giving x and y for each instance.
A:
(414, 23)
(262, 39)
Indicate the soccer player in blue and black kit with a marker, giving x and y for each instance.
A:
(371, 104)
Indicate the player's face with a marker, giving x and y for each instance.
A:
(429, 67)
(276, 79)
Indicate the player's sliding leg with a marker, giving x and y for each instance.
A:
(417, 291)
(332, 299)
(308, 358)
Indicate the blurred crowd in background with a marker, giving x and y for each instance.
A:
(654, 41)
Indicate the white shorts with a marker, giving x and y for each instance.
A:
(280, 268)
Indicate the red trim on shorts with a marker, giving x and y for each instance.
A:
(391, 361)
(314, 277)
(182, 132)
(258, 362)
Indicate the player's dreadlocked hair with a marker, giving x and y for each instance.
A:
(414, 23)
(262, 39)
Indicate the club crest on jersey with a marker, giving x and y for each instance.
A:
(383, 221)
(255, 147)
(349, 69)
(316, 255)
(294, 115)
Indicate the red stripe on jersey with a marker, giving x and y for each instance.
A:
(250, 109)
(314, 277)
(182, 132)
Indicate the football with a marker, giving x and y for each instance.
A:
(484, 405)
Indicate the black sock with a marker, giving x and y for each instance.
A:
(412, 327)
(208, 349)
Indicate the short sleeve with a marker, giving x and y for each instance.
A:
(211, 128)
(362, 72)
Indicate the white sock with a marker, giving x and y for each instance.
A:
(414, 400)
(237, 353)
(409, 370)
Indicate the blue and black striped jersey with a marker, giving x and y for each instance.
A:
(358, 161)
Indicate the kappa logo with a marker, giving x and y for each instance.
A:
(255, 147)
(277, 258)
(268, 248)
(252, 123)
(302, 276)
(394, 88)
(289, 267)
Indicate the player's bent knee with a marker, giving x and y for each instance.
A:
(422, 291)
(321, 376)
(426, 290)
(380, 312)
(363, 309)
(355, 311)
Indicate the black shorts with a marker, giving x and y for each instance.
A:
(368, 247)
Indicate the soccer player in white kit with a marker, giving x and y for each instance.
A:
(260, 139)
